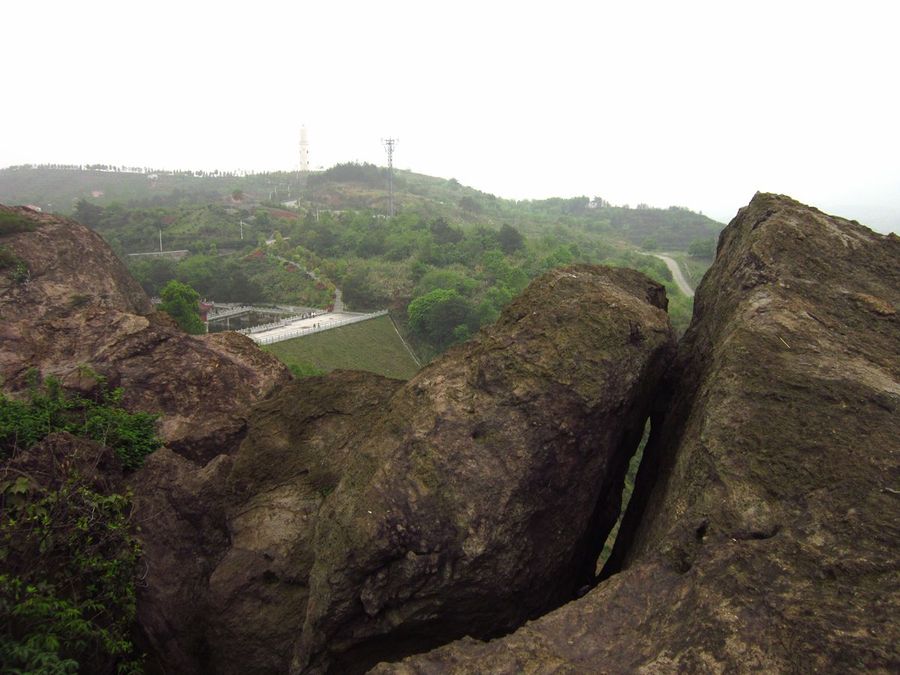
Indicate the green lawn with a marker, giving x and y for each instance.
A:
(371, 345)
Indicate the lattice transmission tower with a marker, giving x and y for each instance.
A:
(389, 144)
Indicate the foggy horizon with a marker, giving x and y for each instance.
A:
(697, 105)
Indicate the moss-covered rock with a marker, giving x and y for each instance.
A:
(762, 534)
(483, 495)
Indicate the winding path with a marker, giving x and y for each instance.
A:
(680, 281)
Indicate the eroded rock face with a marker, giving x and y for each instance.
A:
(80, 312)
(299, 445)
(764, 528)
(227, 546)
(493, 474)
(483, 494)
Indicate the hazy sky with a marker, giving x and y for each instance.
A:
(698, 104)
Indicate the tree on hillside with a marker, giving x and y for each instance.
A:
(511, 240)
(443, 233)
(468, 204)
(181, 302)
(703, 248)
(649, 243)
(87, 213)
(441, 317)
(262, 218)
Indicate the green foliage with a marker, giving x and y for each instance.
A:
(350, 172)
(443, 233)
(448, 279)
(445, 236)
(442, 317)
(181, 302)
(302, 369)
(11, 222)
(511, 240)
(87, 213)
(703, 248)
(48, 409)
(67, 590)
(361, 291)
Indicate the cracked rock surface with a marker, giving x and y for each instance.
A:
(763, 532)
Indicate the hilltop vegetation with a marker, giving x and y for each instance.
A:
(446, 264)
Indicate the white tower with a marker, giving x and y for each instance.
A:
(304, 156)
(304, 151)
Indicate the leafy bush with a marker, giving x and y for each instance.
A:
(48, 409)
(182, 303)
(67, 592)
(442, 317)
(703, 248)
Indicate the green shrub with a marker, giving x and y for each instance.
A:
(67, 591)
(23, 423)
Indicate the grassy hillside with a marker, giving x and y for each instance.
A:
(371, 345)
(448, 262)
(358, 188)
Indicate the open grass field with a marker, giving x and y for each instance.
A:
(371, 345)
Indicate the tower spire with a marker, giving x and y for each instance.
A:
(389, 144)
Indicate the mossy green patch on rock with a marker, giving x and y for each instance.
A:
(762, 533)
(497, 474)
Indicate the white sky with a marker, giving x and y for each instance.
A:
(697, 104)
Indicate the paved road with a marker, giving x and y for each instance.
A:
(680, 281)
(294, 328)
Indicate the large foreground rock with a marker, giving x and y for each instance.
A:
(484, 493)
(391, 516)
(78, 313)
(764, 532)
(227, 546)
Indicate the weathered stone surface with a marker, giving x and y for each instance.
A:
(80, 312)
(298, 446)
(765, 525)
(179, 517)
(231, 548)
(227, 546)
(484, 493)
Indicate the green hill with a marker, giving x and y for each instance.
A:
(358, 187)
(372, 345)
(447, 263)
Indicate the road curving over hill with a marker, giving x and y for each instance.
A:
(680, 279)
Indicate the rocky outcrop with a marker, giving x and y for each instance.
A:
(763, 533)
(393, 515)
(483, 494)
(78, 314)
(229, 546)
(298, 447)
